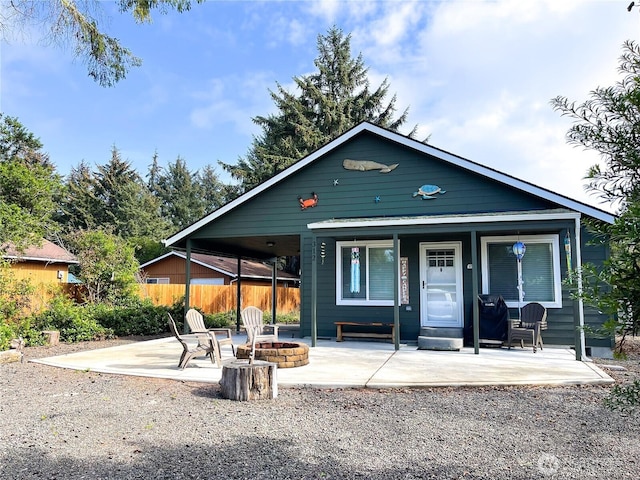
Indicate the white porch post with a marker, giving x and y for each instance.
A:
(396, 292)
(475, 288)
(581, 346)
(314, 292)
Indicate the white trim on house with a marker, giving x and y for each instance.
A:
(39, 259)
(468, 165)
(543, 215)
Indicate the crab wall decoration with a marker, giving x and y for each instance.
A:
(309, 202)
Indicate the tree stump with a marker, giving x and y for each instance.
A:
(243, 381)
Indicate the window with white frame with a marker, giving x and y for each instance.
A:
(364, 273)
(541, 280)
(164, 281)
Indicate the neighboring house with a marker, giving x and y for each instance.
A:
(43, 264)
(390, 229)
(211, 270)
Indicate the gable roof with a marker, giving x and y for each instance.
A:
(228, 266)
(48, 252)
(455, 160)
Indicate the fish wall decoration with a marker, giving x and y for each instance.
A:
(365, 165)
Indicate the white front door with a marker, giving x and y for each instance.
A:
(441, 284)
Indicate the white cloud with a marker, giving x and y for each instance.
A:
(232, 100)
(479, 77)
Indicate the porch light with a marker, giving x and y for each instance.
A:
(271, 244)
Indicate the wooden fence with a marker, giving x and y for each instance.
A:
(222, 298)
(209, 298)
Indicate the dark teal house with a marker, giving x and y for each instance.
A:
(392, 230)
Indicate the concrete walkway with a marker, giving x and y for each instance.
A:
(354, 364)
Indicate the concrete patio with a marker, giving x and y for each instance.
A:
(354, 364)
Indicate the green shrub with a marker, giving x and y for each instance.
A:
(15, 294)
(624, 398)
(137, 318)
(6, 335)
(284, 318)
(220, 320)
(74, 322)
(30, 333)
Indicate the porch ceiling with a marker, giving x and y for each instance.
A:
(257, 247)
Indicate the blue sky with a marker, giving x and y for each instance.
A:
(477, 75)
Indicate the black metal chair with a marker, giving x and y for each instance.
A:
(533, 319)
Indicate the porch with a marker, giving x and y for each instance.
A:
(355, 364)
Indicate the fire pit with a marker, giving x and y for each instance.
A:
(284, 354)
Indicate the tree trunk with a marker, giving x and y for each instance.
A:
(242, 381)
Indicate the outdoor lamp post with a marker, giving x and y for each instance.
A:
(518, 250)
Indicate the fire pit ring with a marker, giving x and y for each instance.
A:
(284, 354)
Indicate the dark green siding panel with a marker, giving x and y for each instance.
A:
(277, 211)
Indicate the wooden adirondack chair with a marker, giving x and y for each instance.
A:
(255, 327)
(529, 327)
(205, 345)
(221, 336)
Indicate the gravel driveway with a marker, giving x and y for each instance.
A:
(65, 424)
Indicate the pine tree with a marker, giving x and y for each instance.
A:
(334, 99)
(29, 185)
(78, 24)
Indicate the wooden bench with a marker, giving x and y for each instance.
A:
(340, 333)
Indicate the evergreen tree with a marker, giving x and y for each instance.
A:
(185, 196)
(79, 204)
(28, 186)
(215, 193)
(609, 123)
(77, 23)
(114, 199)
(334, 99)
(181, 195)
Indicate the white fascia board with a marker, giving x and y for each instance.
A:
(435, 220)
(412, 144)
(495, 175)
(162, 257)
(265, 185)
(40, 259)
